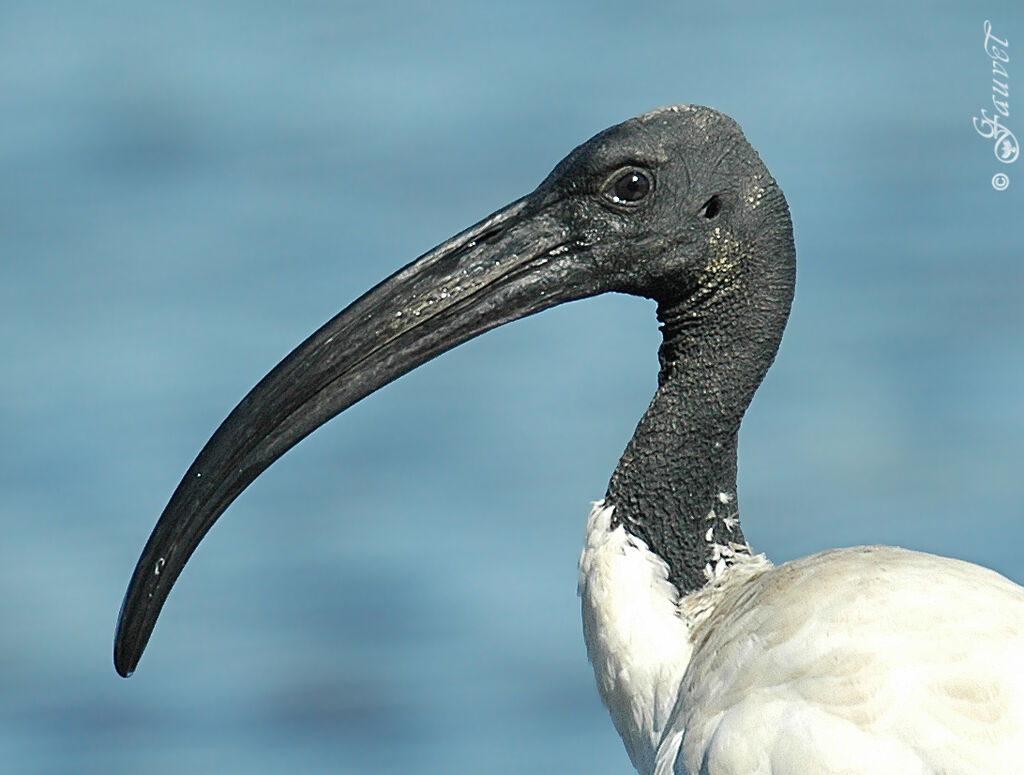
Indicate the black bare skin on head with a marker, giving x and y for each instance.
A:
(674, 206)
(706, 233)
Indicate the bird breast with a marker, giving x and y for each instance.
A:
(639, 632)
(856, 661)
(863, 660)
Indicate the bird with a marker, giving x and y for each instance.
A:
(710, 659)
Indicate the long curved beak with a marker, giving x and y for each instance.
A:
(511, 264)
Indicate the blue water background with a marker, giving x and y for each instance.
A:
(188, 189)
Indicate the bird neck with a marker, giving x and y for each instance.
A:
(675, 485)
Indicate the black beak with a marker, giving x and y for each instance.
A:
(518, 261)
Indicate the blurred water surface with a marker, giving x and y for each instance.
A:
(189, 189)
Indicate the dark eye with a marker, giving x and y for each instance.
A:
(629, 187)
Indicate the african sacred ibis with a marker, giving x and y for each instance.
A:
(862, 661)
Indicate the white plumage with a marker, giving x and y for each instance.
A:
(861, 661)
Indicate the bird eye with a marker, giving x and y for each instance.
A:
(629, 187)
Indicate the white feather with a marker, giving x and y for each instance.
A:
(861, 661)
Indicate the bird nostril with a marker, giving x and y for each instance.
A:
(711, 207)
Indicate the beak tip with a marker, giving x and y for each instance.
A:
(124, 665)
(126, 645)
(126, 658)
